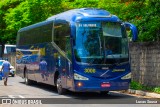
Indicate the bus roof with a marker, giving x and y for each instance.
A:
(74, 14)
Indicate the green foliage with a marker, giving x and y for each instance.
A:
(16, 14)
(157, 90)
(27, 13)
(149, 25)
(113, 6)
(137, 86)
(5, 6)
(71, 4)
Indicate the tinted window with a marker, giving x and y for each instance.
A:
(40, 34)
(61, 33)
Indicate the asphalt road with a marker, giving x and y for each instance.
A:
(48, 95)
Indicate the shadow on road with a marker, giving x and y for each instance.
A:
(81, 95)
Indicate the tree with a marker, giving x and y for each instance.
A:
(72, 4)
(29, 12)
(149, 22)
(16, 14)
(5, 5)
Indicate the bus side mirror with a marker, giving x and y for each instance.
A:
(133, 29)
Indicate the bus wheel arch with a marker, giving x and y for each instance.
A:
(56, 77)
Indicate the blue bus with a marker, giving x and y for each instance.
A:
(81, 50)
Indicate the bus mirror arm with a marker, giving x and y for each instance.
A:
(133, 29)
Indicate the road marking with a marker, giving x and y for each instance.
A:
(3, 96)
(15, 96)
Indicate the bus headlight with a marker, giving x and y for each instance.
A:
(79, 77)
(128, 76)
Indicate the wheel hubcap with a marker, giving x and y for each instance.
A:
(26, 80)
(59, 86)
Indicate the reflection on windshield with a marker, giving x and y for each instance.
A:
(100, 43)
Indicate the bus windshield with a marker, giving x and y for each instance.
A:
(100, 43)
(11, 49)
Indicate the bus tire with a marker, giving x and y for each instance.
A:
(60, 90)
(104, 92)
(26, 80)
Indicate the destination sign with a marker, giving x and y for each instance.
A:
(87, 25)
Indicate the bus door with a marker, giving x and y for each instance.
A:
(64, 64)
(68, 63)
(62, 40)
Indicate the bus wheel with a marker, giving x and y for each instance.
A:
(26, 80)
(60, 90)
(104, 92)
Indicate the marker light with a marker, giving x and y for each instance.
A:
(79, 84)
(128, 76)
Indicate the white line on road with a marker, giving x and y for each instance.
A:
(15, 96)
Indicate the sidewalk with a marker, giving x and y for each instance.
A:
(143, 93)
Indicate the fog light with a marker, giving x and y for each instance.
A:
(79, 84)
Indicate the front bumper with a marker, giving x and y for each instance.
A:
(93, 86)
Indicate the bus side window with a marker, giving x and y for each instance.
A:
(61, 33)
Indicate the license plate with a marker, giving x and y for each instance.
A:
(105, 85)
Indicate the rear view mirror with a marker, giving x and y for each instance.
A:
(133, 29)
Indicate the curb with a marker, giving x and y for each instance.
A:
(143, 93)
